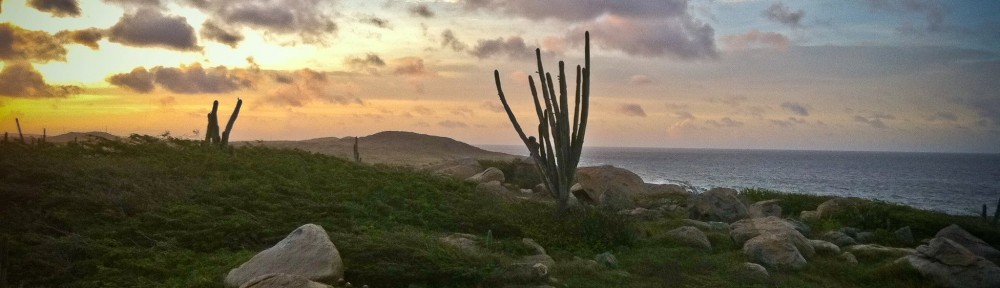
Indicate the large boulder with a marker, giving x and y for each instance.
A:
(717, 204)
(836, 205)
(488, 175)
(457, 169)
(690, 236)
(774, 251)
(839, 238)
(755, 271)
(765, 208)
(823, 247)
(950, 264)
(622, 185)
(656, 195)
(280, 280)
(306, 252)
(974, 244)
(772, 242)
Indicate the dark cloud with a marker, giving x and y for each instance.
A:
(578, 10)
(139, 80)
(369, 63)
(448, 39)
(725, 122)
(377, 22)
(681, 37)
(133, 4)
(17, 44)
(421, 10)
(731, 100)
(190, 79)
(942, 116)
(86, 37)
(410, 66)
(212, 31)
(632, 110)
(796, 108)
(20, 79)
(792, 121)
(58, 8)
(150, 28)
(755, 39)
(780, 13)
(933, 10)
(639, 79)
(875, 120)
(452, 124)
(512, 47)
(308, 20)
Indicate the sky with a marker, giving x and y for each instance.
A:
(872, 75)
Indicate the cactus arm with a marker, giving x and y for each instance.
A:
(232, 121)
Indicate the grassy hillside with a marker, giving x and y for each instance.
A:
(152, 212)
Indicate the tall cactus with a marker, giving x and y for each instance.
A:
(212, 132)
(357, 156)
(232, 120)
(557, 154)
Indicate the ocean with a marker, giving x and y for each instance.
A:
(948, 182)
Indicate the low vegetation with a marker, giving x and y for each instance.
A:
(162, 212)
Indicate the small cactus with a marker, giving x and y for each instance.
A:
(357, 156)
(18, 121)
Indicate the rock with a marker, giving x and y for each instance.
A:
(457, 169)
(765, 208)
(306, 252)
(581, 195)
(865, 237)
(879, 249)
(488, 175)
(642, 213)
(611, 187)
(774, 251)
(848, 257)
(823, 247)
(468, 243)
(690, 236)
(808, 216)
(719, 226)
(534, 245)
(950, 264)
(800, 226)
(746, 229)
(656, 195)
(525, 273)
(717, 204)
(607, 259)
(755, 270)
(839, 238)
(540, 189)
(697, 224)
(975, 245)
(535, 259)
(281, 280)
(492, 187)
(836, 205)
(904, 234)
(850, 231)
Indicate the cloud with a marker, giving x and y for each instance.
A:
(756, 39)
(413, 66)
(377, 22)
(942, 116)
(190, 79)
(792, 121)
(780, 13)
(58, 8)
(20, 79)
(796, 108)
(134, 4)
(725, 122)
(875, 120)
(512, 47)
(308, 20)
(680, 37)
(423, 110)
(684, 115)
(18, 44)
(731, 100)
(632, 110)
(370, 63)
(150, 28)
(305, 85)
(579, 10)
(639, 79)
(139, 80)
(933, 10)
(421, 10)
(492, 106)
(212, 31)
(681, 127)
(448, 39)
(452, 124)
(86, 37)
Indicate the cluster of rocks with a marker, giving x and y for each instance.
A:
(956, 258)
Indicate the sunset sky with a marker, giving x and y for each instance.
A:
(899, 75)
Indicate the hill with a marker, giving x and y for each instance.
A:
(392, 147)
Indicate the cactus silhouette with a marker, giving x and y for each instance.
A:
(212, 132)
(557, 150)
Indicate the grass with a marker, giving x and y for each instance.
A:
(163, 212)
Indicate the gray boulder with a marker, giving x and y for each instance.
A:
(755, 270)
(808, 216)
(717, 204)
(492, 187)
(747, 229)
(306, 252)
(848, 257)
(865, 237)
(697, 224)
(457, 169)
(280, 280)
(823, 247)
(539, 250)
(839, 238)
(836, 205)
(974, 244)
(904, 234)
(607, 259)
(488, 175)
(950, 264)
(879, 249)
(690, 236)
(642, 213)
(622, 185)
(765, 208)
(774, 251)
